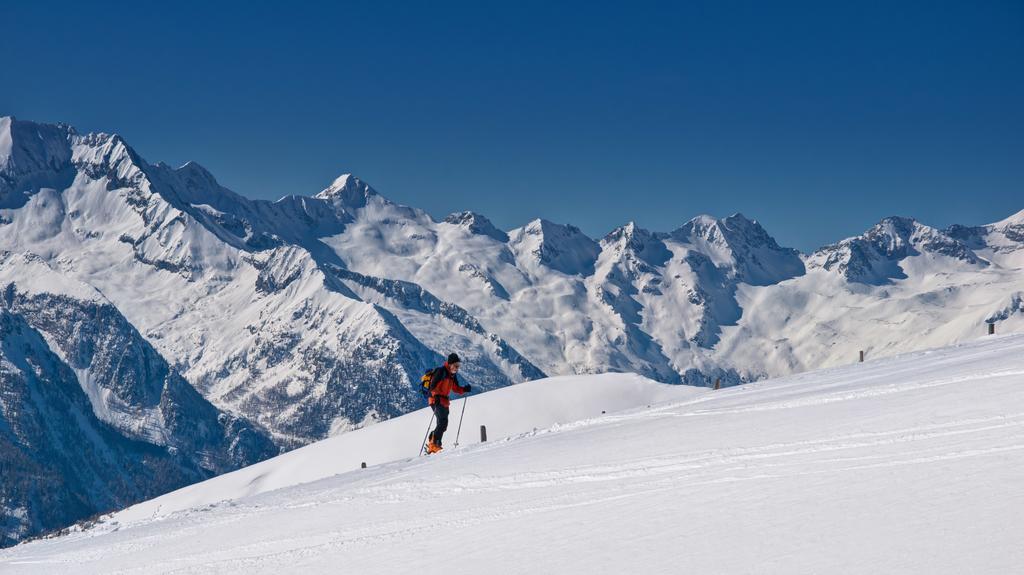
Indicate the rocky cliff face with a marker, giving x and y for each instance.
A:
(85, 394)
(58, 461)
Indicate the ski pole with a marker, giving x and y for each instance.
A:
(461, 416)
(429, 424)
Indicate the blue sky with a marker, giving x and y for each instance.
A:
(816, 118)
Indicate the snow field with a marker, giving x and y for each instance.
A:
(912, 464)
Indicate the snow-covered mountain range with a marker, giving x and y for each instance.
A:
(216, 329)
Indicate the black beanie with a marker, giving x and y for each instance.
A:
(453, 358)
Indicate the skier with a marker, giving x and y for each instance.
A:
(442, 382)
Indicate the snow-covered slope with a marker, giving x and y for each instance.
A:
(911, 464)
(505, 412)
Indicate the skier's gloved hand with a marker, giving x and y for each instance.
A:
(468, 388)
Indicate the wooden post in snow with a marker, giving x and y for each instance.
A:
(992, 328)
(483, 434)
(718, 383)
(862, 356)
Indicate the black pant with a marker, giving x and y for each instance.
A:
(441, 413)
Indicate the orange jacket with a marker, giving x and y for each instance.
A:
(441, 384)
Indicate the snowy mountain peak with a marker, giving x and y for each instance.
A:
(738, 221)
(102, 155)
(1012, 232)
(476, 224)
(1014, 220)
(560, 247)
(900, 237)
(632, 251)
(733, 230)
(546, 227)
(194, 185)
(742, 243)
(198, 173)
(632, 240)
(348, 191)
(620, 234)
(873, 257)
(1001, 242)
(703, 225)
(896, 229)
(625, 232)
(341, 182)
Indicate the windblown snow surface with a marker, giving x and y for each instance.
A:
(907, 464)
